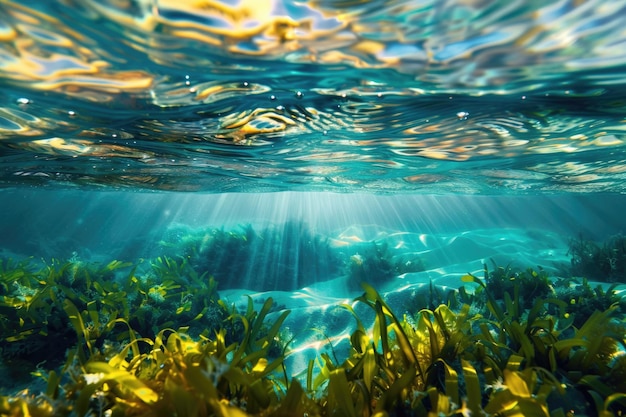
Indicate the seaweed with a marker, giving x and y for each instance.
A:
(375, 263)
(599, 261)
(577, 358)
(171, 374)
(37, 297)
(426, 366)
(370, 263)
(287, 257)
(32, 321)
(154, 339)
(583, 300)
(525, 285)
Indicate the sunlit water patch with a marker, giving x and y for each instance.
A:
(386, 97)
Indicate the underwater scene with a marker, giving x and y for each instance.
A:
(312, 208)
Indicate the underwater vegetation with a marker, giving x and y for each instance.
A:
(584, 300)
(283, 258)
(374, 263)
(530, 283)
(35, 299)
(511, 289)
(604, 261)
(286, 257)
(153, 338)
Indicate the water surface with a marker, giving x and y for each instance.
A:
(463, 97)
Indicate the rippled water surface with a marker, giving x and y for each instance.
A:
(463, 96)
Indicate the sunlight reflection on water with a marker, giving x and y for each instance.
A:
(381, 97)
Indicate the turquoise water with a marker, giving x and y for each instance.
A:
(121, 121)
(279, 146)
(384, 97)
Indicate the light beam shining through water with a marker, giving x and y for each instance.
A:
(133, 223)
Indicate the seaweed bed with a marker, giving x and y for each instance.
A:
(153, 337)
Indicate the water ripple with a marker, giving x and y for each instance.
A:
(387, 96)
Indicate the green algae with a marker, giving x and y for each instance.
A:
(154, 338)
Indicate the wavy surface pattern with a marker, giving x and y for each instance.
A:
(382, 96)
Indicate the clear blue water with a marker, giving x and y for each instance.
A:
(425, 117)
(385, 97)
(455, 131)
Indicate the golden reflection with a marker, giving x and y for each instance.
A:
(7, 33)
(211, 73)
(116, 83)
(83, 148)
(16, 123)
(60, 146)
(41, 50)
(259, 121)
(259, 10)
(456, 52)
(216, 92)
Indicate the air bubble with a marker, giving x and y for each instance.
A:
(23, 100)
(272, 97)
(299, 94)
